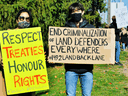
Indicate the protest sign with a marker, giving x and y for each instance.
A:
(24, 60)
(121, 17)
(81, 45)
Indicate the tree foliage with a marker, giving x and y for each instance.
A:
(45, 13)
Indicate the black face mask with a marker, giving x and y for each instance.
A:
(76, 17)
(114, 20)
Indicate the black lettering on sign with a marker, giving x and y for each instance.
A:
(5, 37)
(64, 41)
(23, 36)
(27, 66)
(82, 32)
(54, 31)
(61, 49)
(11, 39)
(52, 48)
(78, 57)
(70, 49)
(30, 39)
(91, 41)
(18, 38)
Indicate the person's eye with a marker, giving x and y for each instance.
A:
(21, 18)
(79, 10)
(27, 19)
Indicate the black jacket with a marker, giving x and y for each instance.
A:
(127, 40)
(79, 68)
(123, 37)
(117, 31)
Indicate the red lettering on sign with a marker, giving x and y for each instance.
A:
(27, 51)
(7, 50)
(29, 80)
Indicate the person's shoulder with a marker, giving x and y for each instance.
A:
(90, 26)
(87, 25)
(69, 23)
(66, 23)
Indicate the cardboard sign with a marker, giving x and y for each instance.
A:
(81, 45)
(24, 60)
(121, 17)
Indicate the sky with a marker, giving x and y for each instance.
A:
(125, 3)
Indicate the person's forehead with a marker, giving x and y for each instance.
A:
(25, 14)
(77, 10)
(114, 17)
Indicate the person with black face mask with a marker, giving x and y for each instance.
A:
(73, 71)
(23, 20)
(76, 17)
(117, 31)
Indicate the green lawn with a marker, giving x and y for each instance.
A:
(108, 80)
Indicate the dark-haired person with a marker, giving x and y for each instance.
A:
(117, 31)
(23, 20)
(123, 39)
(127, 41)
(75, 71)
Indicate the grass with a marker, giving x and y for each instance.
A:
(108, 80)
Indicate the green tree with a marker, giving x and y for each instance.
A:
(45, 13)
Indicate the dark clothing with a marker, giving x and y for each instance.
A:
(79, 68)
(83, 24)
(127, 39)
(123, 37)
(1, 69)
(117, 31)
(23, 94)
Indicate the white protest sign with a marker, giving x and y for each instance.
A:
(81, 45)
(121, 17)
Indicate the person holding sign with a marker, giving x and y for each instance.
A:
(117, 31)
(73, 71)
(24, 20)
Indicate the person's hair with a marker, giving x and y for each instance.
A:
(75, 6)
(24, 10)
(113, 17)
